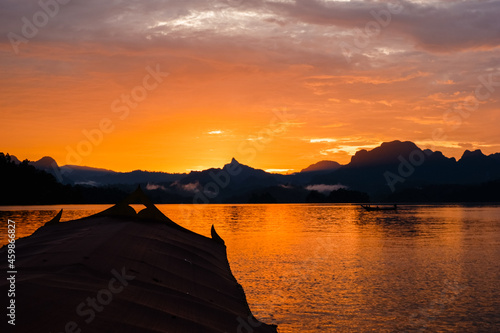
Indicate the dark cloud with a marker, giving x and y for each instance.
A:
(439, 26)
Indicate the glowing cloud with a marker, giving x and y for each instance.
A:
(322, 140)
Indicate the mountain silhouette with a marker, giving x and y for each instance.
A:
(323, 166)
(387, 153)
(475, 167)
(382, 172)
(45, 163)
(398, 165)
(100, 177)
(49, 165)
(14, 159)
(495, 156)
(231, 181)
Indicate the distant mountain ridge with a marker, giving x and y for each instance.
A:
(100, 177)
(381, 172)
(399, 165)
(322, 166)
(495, 156)
(45, 162)
(386, 153)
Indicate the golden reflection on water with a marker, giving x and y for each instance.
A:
(329, 268)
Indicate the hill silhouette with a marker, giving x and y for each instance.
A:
(24, 184)
(326, 166)
(390, 172)
(398, 165)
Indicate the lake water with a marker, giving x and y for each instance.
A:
(337, 268)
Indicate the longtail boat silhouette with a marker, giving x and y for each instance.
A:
(377, 208)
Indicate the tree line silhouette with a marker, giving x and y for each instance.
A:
(23, 184)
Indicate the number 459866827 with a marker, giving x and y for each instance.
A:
(11, 258)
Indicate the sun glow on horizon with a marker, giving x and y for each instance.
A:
(189, 85)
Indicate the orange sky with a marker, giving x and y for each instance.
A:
(268, 83)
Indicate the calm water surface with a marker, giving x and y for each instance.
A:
(336, 268)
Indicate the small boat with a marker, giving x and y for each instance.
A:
(377, 208)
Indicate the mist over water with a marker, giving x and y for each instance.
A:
(328, 268)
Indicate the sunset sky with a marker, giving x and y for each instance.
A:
(184, 85)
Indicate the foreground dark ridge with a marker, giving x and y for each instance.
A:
(118, 271)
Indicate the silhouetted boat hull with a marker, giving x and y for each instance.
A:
(118, 271)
